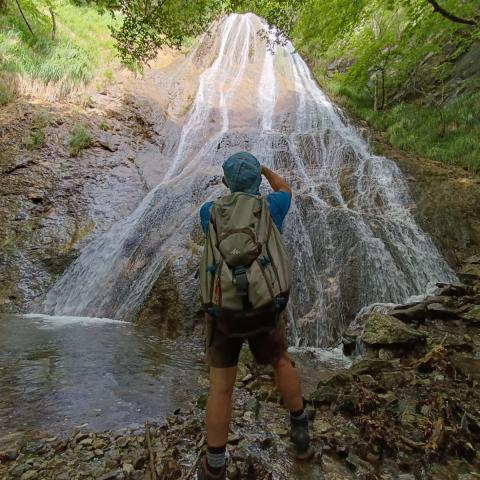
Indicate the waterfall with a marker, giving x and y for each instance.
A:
(350, 232)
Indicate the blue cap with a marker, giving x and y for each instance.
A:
(243, 173)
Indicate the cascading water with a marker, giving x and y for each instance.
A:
(350, 232)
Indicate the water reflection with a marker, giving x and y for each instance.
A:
(62, 372)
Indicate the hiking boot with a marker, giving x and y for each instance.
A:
(300, 438)
(204, 474)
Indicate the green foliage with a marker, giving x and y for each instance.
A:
(79, 140)
(281, 15)
(147, 25)
(103, 126)
(387, 55)
(81, 43)
(35, 140)
(5, 93)
(37, 136)
(108, 75)
(448, 133)
(403, 43)
(398, 56)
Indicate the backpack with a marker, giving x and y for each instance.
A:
(244, 270)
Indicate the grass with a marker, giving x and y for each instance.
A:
(104, 126)
(35, 140)
(449, 134)
(79, 140)
(37, 137)
(6, 93)
(82, 47)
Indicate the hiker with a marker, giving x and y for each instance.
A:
(244, 280)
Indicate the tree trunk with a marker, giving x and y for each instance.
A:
(449, 16)
(24, 18)
(383, 89)
(54, 23)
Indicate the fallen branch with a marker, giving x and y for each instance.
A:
(435, 442)
(151, 455)
(411, 443)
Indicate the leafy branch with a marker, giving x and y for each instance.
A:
(453, 18)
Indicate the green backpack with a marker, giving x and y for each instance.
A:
(244, 270)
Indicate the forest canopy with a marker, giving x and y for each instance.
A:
(149, 24)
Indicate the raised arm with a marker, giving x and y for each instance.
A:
(277, 183)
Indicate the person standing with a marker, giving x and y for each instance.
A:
(245, 280)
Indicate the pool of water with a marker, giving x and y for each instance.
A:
(61, 373)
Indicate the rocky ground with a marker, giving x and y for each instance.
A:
(406, 409)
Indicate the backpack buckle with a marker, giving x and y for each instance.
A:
(241, 282)
(280, 302)
(211, 268)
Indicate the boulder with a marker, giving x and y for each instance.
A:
(452, 289)
(30, 475)
(323, 396)
(337, 380)
(470, 367)
(391, 380)
(349, 340)
(8, 455)
(440, 310)
(371, 365)
(470, 273)
(408, 313)
(446, 300)
(472, 316)
(387, 330)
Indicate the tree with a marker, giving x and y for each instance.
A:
(24, 17)
(448, 15)
(148, 25)
(51, 10)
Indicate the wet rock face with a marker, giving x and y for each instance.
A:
(51, 202)
(446, 200)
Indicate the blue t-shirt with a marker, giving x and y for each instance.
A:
(278, 204)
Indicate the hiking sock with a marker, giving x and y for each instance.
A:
(216, 459)
(299, 416)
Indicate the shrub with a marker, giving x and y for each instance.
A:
(79, 140)
(103, 126)
(35, 140)
(5, 93)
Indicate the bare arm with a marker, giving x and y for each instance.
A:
(277, 183)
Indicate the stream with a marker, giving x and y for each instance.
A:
(61, 373)
(58, 374)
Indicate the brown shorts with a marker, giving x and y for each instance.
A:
(222, 351)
